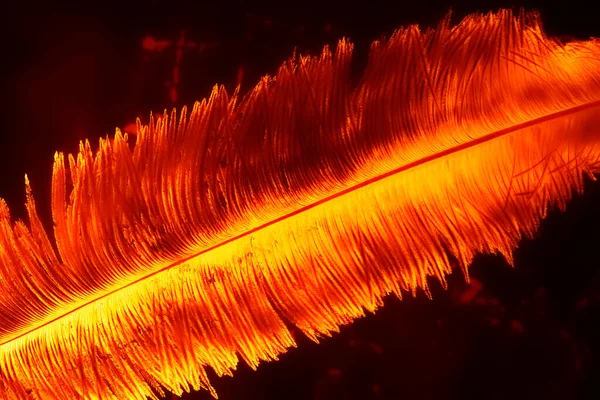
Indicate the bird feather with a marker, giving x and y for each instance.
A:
(302, 203)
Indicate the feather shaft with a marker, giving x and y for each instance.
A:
(346, 191)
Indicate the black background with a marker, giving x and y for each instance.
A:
(73, 71)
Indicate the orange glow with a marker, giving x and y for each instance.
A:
(304, 202)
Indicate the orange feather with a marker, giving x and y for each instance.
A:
(304, 202)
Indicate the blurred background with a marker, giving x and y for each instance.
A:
(76, 71)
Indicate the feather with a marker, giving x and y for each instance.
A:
(303, 203)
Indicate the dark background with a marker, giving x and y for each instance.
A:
(70, 72)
